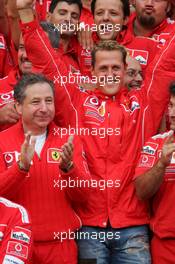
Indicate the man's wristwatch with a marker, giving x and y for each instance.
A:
(20, 166)
(68, 168)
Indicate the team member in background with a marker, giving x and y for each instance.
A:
(65, 15)
(8, 113)
(6, 62)
(15, 234)
(134, 75)
(155, 180)
(152, 19)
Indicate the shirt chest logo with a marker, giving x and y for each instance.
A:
(54, 155)
(139, 55)
(95, 109)
(6, 98)
(11, 157)
(161, 39)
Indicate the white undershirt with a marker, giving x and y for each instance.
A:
(40, 140)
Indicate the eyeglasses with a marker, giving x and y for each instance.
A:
(134, 73)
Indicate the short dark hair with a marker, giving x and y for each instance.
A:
(170, 13)
(125, 3)
(172, 88)
(54, 3)
(25, 81)
(53, 33)
(108, 45)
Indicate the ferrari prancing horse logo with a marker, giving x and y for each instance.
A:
(53, 155)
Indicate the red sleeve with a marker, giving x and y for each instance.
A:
(16, 244)
(149, 155)
(79, 178)
(154, 94)
(6, 62)
(158, 79)
(10, 178)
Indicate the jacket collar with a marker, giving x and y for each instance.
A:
(117, 97)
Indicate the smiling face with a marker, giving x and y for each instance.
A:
(150, 13)
(109, 18)
(109, 69)
(25, 65)
(65, 17)
(37, 108)
(134, 75)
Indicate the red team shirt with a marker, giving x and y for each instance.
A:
(6, 62)
(36, 191)
(15, 233)
(163, 212)
(7, 90)
(161, 33)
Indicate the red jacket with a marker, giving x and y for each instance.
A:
(163, 212)
(38, 190)
(42, 8)
(15, 233)
(131, 117)
(6, 90)
(86, 16)
(70, 56)
(161, 33)
(6, 62)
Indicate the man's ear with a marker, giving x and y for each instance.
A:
(125, 21)
(169, 6)
(18, 108)
(48, 17)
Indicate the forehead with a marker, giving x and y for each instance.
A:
(38, 90)
(108, 57)
(133, 63)
(110, 4)
(69, 7)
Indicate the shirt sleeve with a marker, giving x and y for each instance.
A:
(10, 178)
(16, 243)
(148, 157)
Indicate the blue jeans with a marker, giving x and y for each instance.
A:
(114, 245)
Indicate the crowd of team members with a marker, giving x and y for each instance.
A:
(87, 67)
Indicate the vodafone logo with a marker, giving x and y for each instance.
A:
(144, 159)
(94, 101)
(11, 157)
(18, 247)
(6, 98)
